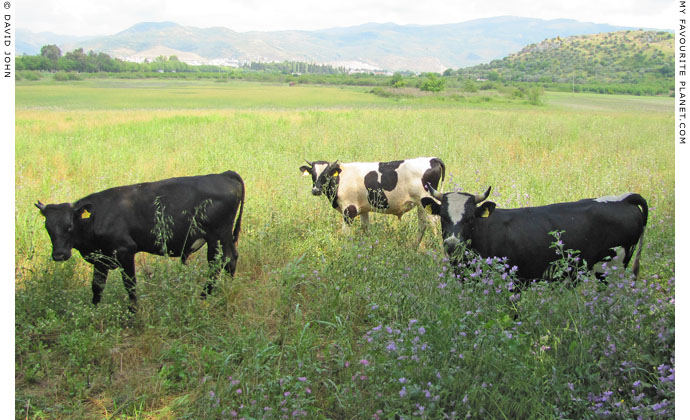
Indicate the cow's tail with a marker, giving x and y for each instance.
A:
(638, 200)
(443, 171)
(238, 223)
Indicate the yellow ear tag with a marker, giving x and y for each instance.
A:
(305, 173)
(486, 213)
(335, 174)
(85, 214)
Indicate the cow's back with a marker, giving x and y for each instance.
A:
(180, 210)
(524, 235)
(402, 190)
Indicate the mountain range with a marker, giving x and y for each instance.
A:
(385, 46)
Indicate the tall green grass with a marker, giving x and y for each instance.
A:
(303, 328)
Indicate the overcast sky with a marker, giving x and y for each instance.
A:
(97, 17)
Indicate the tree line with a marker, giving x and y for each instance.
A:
(95, 64)
(76, 64)
(51, 59)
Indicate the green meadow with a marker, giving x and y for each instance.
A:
(321, 324)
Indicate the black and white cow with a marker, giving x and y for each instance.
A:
(593, 226)
(173, 217)
(384, 187)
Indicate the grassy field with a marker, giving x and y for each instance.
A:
(320, 324)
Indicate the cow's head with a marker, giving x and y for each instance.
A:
(458, 212)
(323, 174)
(63, 221)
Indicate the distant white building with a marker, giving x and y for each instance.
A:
(354, 66)
(224, 62)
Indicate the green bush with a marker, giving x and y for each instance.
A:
(66, 76)
(382, 92)
(432, 83)
(469, 85)
(29, 75)
(397, 81)
(535, 95)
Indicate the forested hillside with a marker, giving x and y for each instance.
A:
(642, 58)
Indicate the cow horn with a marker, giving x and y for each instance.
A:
(308, 163)
(40, 205)
(437, 195)
(482, 197)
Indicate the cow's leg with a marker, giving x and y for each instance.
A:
(228, 261)
(212, 252)
(129, 279)
(228, 251)
(230, 256)
(611, 258)
(599, 275)
(365, 221)
(625, 255)
(423, 220)
(100, 274)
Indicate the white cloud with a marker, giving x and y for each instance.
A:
(91, 17)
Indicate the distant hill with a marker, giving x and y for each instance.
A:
(385, 46)
(635, 57)
(30, 43)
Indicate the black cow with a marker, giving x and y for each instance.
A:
(385, 187)
(173, 217)
(592, 226)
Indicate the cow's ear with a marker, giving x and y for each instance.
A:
(336, 172)
(306, 170)
(431, 206)
(83, 212)
(485, 209)
(41, 207)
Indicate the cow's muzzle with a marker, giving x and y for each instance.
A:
(451, 244)
(316, 191)
(62, 256)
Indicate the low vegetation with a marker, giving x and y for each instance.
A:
(321, 324)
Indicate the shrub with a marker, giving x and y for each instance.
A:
(382, 92)
(469, 85)
(535, 95)
(29, 75)
(66, 76)
(432, 83)
(397, 81)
